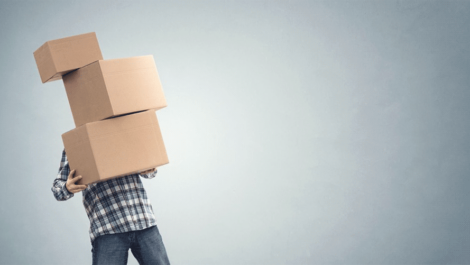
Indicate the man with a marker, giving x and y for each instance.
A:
(121, 216)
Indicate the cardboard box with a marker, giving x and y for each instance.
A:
(109, 88)
(115, 147)
(57, 57)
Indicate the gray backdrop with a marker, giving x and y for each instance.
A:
(298, 132)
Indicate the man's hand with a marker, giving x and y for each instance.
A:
(71, 180)
(148, 171)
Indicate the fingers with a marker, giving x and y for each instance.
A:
(149, 171)
(79, 188)
(75, 190)
(77, 178)
(71, 183)
(71, 174)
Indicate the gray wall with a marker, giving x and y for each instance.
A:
(297, 132)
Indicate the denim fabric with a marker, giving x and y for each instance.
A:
(146, 246)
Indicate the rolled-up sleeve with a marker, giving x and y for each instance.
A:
(58, 186)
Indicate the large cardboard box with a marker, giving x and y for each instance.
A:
(58, 57)
(108, 88)
(115, 147)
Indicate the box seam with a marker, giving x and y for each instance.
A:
(92, 151)
(106, 88)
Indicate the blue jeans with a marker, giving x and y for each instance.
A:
(146, 246)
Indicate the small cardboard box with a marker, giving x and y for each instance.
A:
(57, 57)
(115, 147)
(109, 88)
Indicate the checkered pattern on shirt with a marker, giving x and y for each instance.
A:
(114, 206)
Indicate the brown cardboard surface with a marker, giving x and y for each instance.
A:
(58, 57)
(115, 147)
(109, 88)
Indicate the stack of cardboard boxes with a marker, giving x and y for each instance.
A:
(113, 104)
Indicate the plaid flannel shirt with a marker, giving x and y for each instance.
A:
(114, 206)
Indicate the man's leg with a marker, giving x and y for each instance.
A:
(148, 247)
(111, 249)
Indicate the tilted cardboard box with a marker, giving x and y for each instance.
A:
(58, 57)
(115, 147)
(108, 88)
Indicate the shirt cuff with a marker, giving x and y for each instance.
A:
(66, 191)
(149, 175)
